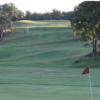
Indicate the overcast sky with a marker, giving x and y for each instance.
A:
(44, 5)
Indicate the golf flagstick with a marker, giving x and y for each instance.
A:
(86, 71)
(91, 91)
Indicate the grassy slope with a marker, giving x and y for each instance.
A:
(40, 65)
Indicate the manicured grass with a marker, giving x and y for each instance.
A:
(46, 23)
(46, 64)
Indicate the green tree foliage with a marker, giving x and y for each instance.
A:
(8, 13)
(37, 16)
(54, 15)
(4, 21)
(86, 22)
(68, 15)
(11, 11)
(28, 15)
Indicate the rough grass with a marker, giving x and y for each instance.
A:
(45, 64)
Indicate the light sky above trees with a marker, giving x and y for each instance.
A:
(44, 5)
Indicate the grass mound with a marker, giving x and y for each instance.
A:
(47, 23)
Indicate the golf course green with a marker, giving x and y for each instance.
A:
(46, 63)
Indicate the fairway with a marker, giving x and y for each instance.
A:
(46, 63)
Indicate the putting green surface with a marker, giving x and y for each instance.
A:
(46, 63)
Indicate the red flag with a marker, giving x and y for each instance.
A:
(86, 71)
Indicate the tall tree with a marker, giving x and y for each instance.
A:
(8, 13)
(4, 21)
(11, 11)
(86, 22)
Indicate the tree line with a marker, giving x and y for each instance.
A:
(12, 13)
(54, 15)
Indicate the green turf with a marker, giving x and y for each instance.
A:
(46, 63)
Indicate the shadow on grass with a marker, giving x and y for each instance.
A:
(88, 60)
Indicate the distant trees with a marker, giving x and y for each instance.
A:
(54, 15)
(13, 13)
(28, 15)
(68, 15)
(86, 22)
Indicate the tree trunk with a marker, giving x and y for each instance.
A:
(1, 33)
(94, 48)
(94, 52)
